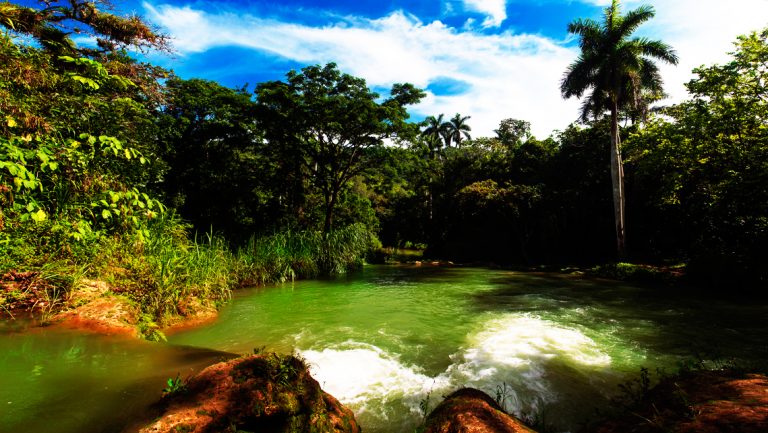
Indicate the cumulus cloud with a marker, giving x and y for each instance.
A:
(506, 74)
(701, 31)
(502, 75)
(496, 10)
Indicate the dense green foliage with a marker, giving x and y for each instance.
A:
(176, 189)
(701, 170)
(322, 122)
(98, 157)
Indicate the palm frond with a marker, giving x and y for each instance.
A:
(588, 29)
(580, 75)
(650, 76)
(613, 70)
(634, 19)
(656, 49)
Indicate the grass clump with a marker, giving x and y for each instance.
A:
(163, 271)
(290, 255)
(638, 272)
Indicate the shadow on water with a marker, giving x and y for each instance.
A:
(659, 318)
(66, 382)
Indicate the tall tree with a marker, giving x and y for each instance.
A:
(327, 119)
(513, 132)
(217, 174)
(615, 69)
(436, 130)
(456, 129)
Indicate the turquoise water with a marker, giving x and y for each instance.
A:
(388, 339)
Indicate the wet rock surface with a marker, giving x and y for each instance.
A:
(259, 393)
(698, 402)
(471, 411)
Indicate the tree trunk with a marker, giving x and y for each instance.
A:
(617, 181)
(330, 202)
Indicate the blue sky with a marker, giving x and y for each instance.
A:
(489, 59)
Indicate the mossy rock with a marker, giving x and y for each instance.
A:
(269, 393)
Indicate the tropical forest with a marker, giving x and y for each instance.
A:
(330, 216)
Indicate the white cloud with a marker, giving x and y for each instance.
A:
(702, 32)
(509, 75)
(496, 10)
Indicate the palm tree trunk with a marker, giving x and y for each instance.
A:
(617, 182)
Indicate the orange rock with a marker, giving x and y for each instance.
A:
(106, 315)
(699, 402)
(471, 411)
(270, 393)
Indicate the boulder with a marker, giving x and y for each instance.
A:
(259, 393)
(472, 411)
(697, 402)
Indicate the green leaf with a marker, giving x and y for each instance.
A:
(106, 214)
(86, 81)
(39, 216)
(42, 156)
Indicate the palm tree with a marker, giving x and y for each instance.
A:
(436, 129)
(616, 70)
(457, 127)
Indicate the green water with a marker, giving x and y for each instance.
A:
(387, 339)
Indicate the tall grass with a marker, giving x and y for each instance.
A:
(177, 269)
(290, 255)
(166, 274)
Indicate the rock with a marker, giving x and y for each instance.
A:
(260, 393)
(192, 313)
(92, 308)
(471, 411)
(698, 402)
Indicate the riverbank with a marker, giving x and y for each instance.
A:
(702, 401)
(165, 281)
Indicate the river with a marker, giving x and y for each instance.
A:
(389, 339)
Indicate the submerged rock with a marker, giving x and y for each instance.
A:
(471, 411)
(260, 393)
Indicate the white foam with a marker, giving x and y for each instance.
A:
(367, 378)
(513, 350)
(520, 340)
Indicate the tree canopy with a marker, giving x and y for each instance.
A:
(327, 120)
